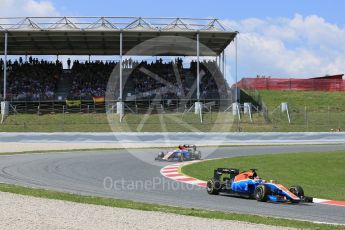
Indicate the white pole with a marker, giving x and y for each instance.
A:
(224, 74)
(237, 98)
(197, 68)
(220, 62)
(223, 63)
(120, 66)
(5, 67)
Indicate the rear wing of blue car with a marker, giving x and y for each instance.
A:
(229, 171)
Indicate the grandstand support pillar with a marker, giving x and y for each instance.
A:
(4, 103)
(197, 68)
(219, 61)
(5, 66)
(120, 67)
(223, 63)
(237, 94)
(198, 104)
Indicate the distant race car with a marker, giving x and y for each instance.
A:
(247, 184)
(182, 153)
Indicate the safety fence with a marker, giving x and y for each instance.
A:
(308, 119)
(172, 116)
(293, 84)
(139, 115)
(131, 106)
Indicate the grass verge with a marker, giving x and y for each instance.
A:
(273, 98)
(321, 174)
(42, 193)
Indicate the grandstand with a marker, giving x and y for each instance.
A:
(29, 81)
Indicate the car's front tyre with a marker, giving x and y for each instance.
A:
(261, 193)
(161, 154)
(297, 190)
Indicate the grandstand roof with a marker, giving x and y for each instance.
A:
(101, 35)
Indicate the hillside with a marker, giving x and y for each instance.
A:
(311, 99)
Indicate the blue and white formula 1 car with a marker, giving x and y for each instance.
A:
(248, 184)
(182, 153)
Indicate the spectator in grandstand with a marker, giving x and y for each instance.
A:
(36, 79)
(69, 63)
(32, 81)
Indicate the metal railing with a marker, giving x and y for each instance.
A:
(111, 23)
(175, 115)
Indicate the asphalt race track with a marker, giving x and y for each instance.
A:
(118, 174)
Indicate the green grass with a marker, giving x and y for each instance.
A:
(273, 98)
(98, 122)
(317, 120)
(309, 112)
(321, 174)
(73, 122)
(42, 193)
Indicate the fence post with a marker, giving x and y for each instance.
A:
(176, 104)
(306, 118)
(211, 113)
(329, 118)
(238, 125)
(63, 117)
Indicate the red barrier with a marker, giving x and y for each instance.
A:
(314, 84)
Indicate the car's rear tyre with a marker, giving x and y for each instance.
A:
(261, 193)
(180, 158)
(297, 190)
(197, 155)
(213, 187)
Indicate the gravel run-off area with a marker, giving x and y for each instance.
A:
(24, 212)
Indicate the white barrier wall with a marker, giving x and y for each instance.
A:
(193, 138)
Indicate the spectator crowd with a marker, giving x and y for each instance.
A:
(38, 80)
(32, 79)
